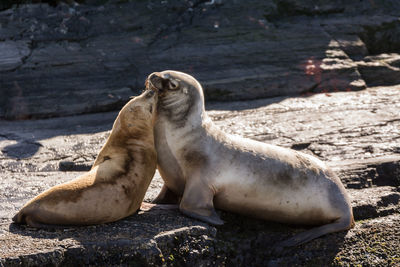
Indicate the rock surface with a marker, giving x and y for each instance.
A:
(73, 59)
(357, 133)
(63, 60)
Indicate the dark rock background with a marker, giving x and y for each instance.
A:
(316, 75)
(72, 59)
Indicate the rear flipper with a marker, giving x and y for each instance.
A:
(32, 223)
(21, 218)
(213, 219)
(338, 225)
(18, 218)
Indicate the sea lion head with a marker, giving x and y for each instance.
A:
(180, 96)
(139, 113)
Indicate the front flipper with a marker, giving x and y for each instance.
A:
(197, 202)
(213, 218)
(151, 206)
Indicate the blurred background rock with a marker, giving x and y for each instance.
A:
(61, 58)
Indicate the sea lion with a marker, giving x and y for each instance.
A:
(117, 182)
(203, 167)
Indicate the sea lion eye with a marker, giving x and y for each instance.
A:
(173, 85)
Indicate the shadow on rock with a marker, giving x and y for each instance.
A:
(27, 134)
(160, 236)
(251, 242)
(142, 238)
(23, 149)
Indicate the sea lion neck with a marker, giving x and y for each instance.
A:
(183, 108)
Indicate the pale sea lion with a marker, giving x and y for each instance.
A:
(117, 182)
(203, 167)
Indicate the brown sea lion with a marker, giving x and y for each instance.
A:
(116, 184)
(203, 167)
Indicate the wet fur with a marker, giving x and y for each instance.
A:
(115, 186)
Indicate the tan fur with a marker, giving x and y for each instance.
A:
(116, 184)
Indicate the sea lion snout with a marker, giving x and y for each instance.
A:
(155, 81)
(161, 82)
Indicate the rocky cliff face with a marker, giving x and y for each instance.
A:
(71, 59)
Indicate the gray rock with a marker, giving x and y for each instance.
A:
(355, 132)
(73, 59)
(383, 69)
(13, 54)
